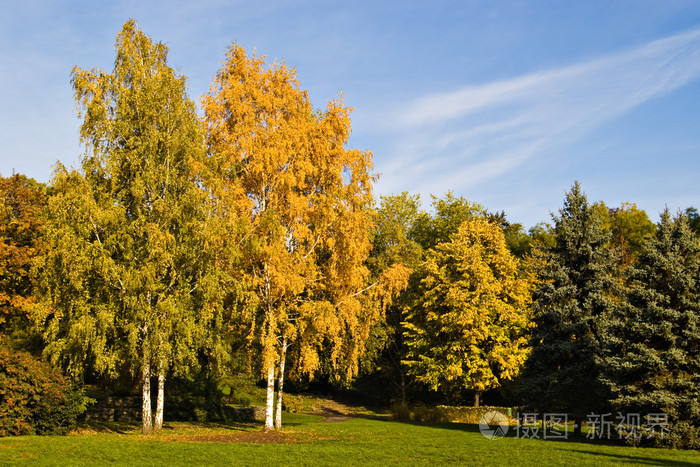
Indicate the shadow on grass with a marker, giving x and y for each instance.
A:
(220, 425)
(125, 427)
(121, 428)
(637, 460)
(578, 442)
(466, 427)
(512, 433)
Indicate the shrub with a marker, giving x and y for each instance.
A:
(241, 390)
(400, 412)
(680, 435)
(461, 414)
(429, 414)
(292, 404)
(35, 398)
(204, 397)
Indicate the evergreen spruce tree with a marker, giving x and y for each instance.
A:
(577, 285)
(652, 344)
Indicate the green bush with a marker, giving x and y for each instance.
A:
(292, 404)
(419, 413)
(461, 414)
(205, 397)
(35, 398)
(241, 390)
(428, 414)
(680, 435)
(400, 412)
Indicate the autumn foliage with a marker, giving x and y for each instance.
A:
(469, 327)
(21, 204)
(35, 398)
(297, 203)
(184, 238)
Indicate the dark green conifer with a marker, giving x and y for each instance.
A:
(652, 345)
(577, 286)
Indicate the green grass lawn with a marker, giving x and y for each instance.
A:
(308, 441)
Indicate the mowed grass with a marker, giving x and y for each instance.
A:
(308, 441)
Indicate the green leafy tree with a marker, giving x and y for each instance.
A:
(392, 244)
(518, 241)
(450, 212)
(630, 228)
(577, 285)
(469, 326)
(123, 283)
(542, 235)
(393, 237)
(652, 340)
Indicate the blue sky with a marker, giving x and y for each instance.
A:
(503, 102)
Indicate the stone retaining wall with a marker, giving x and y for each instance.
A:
(113, 409)
(248, 414)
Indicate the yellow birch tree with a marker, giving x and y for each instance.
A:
(298, 206)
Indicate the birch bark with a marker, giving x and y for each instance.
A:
(147, 426)
(280, 385)
(160, 402)
(270, 405)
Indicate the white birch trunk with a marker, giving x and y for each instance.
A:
(270, 405)
(280, 385)
(147, 426)
(160, 403)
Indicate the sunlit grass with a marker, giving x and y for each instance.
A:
(306, 440)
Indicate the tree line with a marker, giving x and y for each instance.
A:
(179, 235)
(596, 313)
(185, 241)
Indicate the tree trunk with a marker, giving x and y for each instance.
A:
(280, 385)
(403, 387)
(270, 404)
(147, 426)
(160, 403)
(578, 425)
(477, 398)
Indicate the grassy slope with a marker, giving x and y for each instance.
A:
(357, 441)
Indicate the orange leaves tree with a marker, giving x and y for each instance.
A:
(297, 205)
(21, 224)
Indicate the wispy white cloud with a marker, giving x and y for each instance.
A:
(461, 139)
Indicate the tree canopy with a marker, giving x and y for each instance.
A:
(299, 204)
(124, 265)
(651, 350)
(469, 328)
(21, 224)
(577, 286)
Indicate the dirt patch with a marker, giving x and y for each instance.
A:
(258, 437)
(333, 416)
(332, 411)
